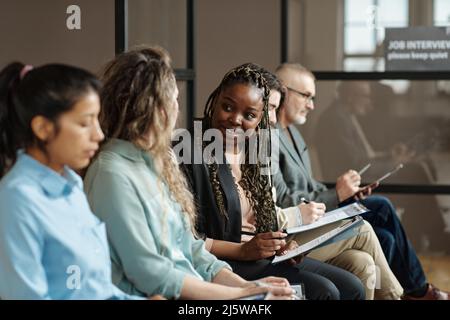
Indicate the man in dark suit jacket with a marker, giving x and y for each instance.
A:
(350, 147)
(294, 181)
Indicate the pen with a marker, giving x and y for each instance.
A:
(398, 167)
(248, 233)
(364, 169)
(303, 200)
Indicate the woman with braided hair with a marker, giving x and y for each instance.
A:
(232, 195)
(135, 186)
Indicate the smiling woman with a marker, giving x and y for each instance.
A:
(136, 187)
(234, 197)
(241, 101)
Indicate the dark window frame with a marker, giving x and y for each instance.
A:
(343, 75)
(187, 74)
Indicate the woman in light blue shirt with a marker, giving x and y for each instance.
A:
(135, 186)
(51, 245)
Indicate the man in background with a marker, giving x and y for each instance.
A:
(294, 182)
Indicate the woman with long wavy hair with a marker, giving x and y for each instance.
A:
(136, 187)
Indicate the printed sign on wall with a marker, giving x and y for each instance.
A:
(417, 49)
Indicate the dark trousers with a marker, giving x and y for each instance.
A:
(398, 251)
(322, 281)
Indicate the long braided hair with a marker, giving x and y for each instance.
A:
(256, 186)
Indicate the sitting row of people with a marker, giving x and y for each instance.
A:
(295, 181)
(146, 227)
(51, 245)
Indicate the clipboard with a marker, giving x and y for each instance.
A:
(345, 231)
(344, 212)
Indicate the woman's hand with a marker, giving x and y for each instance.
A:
(156, 297)
(273, 292)
(271, 281)
(311, 211)
(276, 287)
(291, 245)
(263, 245)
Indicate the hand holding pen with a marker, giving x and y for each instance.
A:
(367, 190)
(262, 245)
(347, 185)
(291, 245)
(311, 211)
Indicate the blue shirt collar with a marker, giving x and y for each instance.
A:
(53, 183)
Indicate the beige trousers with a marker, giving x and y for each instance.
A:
(361, 255)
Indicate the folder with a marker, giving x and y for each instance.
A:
(348, 211)
(343, 230)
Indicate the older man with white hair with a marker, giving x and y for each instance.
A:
(294, 181)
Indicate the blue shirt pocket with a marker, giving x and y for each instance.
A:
(99, 233)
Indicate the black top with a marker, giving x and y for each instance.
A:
(210, 222)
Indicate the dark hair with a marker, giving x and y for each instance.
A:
(256, 185)
(274, 84)
(247, 73)
(48, 91)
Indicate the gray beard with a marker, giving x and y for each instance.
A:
(300, 120)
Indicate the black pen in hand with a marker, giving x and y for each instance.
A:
(303, 200)
(248, 233)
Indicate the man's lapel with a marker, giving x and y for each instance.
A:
(285, 142)
(302, 149)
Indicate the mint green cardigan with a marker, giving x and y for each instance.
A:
(152, 247)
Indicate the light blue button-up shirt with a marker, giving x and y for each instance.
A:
(51, 245)
(152, 246)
